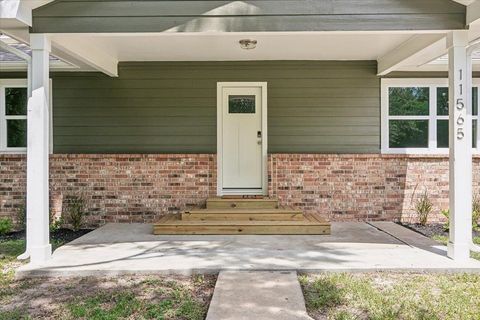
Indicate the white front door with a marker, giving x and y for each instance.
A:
(242, 140)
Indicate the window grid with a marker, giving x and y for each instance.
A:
(433, 85)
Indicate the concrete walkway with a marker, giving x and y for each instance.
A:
(266, 295)
(132, 248)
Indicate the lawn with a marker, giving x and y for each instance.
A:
(392, 296)
(124, 297)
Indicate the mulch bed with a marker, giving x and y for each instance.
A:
(432, 229)
(62, 235)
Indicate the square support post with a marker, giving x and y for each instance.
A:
(38, 235)
(460, 137)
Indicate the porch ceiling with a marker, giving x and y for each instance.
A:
(226, 47)
(270, 46)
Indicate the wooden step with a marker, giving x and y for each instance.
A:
(172, 225)
(220, 203)
(281, 214)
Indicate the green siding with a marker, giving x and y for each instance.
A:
(164, 107)
(169, 107)
(76, 16)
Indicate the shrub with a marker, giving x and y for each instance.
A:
(423, 208)
(55, 222)
(446, 214)
(76, 210)
(476, 212)
(6, 225)
(22, 216)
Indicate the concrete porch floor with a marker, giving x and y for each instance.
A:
(353, 246)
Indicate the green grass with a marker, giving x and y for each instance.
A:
(444, 240)
(174, 301)
(9, 250)
(392, 296)
(126, 297)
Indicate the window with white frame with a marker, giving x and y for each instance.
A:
(415, 115)
(13, 115)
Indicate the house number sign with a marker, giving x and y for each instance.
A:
(460, 106)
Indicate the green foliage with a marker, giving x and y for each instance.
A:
(55, 223)
(446, 214)
(408, 133)
(476, 212)
(423, 208)
(405, 101)
(76, 211)
(22, 216)
(6, 225)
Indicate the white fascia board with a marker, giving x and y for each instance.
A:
(16, 10)
(88, 53)
(419, 47)
(473, 12)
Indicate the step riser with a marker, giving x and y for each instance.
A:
(242, 216)
(239, 204)
(250, 230)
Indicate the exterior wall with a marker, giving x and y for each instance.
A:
(142, 188)
(170, 107)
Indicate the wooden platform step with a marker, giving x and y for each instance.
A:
(232, 203)
(280, 214)
(173, 224)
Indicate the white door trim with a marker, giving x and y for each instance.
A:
(220, 87)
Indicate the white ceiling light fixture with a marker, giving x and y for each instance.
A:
(248, 44)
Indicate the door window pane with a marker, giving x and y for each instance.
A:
(409, 101)
(15, 101)
(241, 104)
(442, 134)
(16, 133)
(408, 134)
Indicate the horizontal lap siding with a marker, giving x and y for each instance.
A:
(313, 106)
(241, 16)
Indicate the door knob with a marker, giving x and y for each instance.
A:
(259, 134)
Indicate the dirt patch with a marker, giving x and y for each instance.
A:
(54, 298)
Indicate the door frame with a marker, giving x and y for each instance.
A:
(220, 87)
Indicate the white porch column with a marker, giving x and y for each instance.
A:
(38, 236)
(460, 136)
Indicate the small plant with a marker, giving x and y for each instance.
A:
(476, 212)
(22, 216)
(55, 222)
(446, 214)
(6, 225)
(76, 210)
(423, 208)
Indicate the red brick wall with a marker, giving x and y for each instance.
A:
(117, 188)
(142, 188)
(362, 187)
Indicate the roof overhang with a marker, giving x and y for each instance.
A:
(18, 13)
(89, 34)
